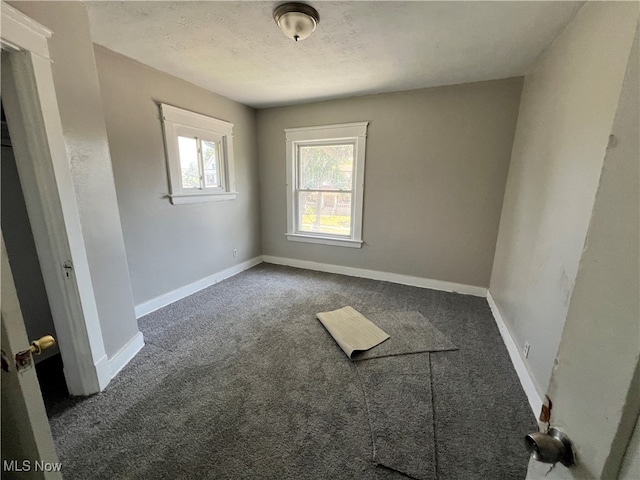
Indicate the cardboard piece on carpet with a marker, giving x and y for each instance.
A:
(400, 404)
(351, 330)
(409, 332)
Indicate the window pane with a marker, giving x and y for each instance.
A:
(211, 162)
(325, 167)
(188, 149)
(324, 212)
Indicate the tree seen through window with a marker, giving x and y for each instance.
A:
(325, 185)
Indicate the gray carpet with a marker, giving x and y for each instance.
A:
(399, 403)
(241, 381)
(409, 332)
(396, 381)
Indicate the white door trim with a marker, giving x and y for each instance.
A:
(29, 99)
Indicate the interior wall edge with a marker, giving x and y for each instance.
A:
(103, 373)
(433, 284)
(118, 361)
(526, 379)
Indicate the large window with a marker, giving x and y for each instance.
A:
(199, 156)
(325, 171)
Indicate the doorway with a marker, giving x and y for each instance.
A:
(38, 145)
(29, 282)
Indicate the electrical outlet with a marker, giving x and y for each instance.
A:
(525, 349)
(235, 253)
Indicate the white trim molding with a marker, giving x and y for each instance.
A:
(201, 198)
(295, 237)
(126, 354)
(20, 32)
(322, 132)
(177, 122)
(33, 118)
(377, 275)
(103, 371)
(156, 303)
(528, 385)
(353, 134)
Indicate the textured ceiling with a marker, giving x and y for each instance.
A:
(236, 49)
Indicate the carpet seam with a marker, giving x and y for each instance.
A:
(356, 360)
(366, 405)
(433, 419)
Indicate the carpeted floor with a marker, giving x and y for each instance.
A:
(241, 381)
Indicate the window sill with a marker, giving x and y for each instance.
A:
(201, 197)
(336, 242)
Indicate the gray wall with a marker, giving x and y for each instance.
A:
(631, 461)
(566, 113)
(436, 166)
(170, 246)
(78, 94)
(595, 383)
(591, 392)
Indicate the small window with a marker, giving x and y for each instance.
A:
(325, 171)
(199, 156)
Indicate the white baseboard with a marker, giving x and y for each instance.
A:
(103, 373)
(535, 401)
(129, 351)
(126, 353)
(377, 275)
(175, 295)
(89, 381)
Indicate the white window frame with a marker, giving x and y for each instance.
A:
(354, 133)
(179, 122)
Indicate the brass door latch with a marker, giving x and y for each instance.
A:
(24, 359)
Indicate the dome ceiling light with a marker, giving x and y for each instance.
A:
(296, 20)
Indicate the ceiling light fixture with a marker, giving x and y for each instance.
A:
(296, 20)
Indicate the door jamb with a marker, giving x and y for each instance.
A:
(45, 174)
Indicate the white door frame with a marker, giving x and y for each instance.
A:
(29, 99)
